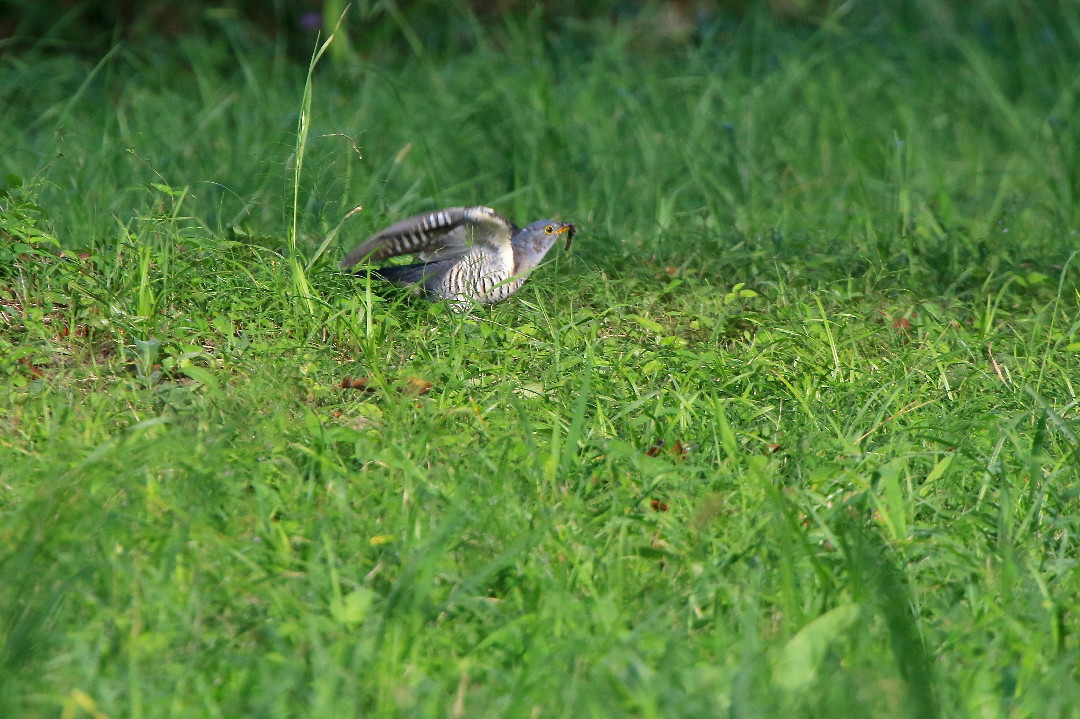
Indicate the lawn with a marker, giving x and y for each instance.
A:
(791, 431)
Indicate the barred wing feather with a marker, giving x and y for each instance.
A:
(440, 235)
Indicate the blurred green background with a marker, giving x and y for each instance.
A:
(377, 26)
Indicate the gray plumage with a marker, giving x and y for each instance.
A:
(467, 254)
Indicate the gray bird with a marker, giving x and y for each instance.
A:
(467, 254)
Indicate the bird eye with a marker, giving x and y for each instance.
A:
(548, 230)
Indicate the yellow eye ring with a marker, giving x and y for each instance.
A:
(549, 230)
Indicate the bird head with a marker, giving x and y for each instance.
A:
(534, 241)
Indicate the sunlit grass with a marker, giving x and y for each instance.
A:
(789, 432)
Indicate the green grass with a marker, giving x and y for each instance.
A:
(790, 432)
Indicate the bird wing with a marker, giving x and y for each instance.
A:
(440, 235)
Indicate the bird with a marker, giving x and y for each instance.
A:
(467, 254)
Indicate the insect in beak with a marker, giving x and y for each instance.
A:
(569, 229)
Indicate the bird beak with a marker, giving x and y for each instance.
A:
(569, 229)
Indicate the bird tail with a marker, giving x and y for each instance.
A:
(404, 275)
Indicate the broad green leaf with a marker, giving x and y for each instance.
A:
(797, 666)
